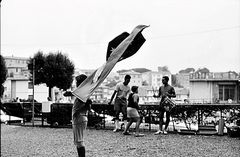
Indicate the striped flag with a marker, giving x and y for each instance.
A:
(87, 87)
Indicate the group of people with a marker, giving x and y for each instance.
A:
(126, 101)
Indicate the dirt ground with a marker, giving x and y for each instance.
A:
(22, 141)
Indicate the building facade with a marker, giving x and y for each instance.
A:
(214, 88)
(182, 94)
(17, 67)
(182, 79)
(136, 78)
(154, 79)
(18, 85)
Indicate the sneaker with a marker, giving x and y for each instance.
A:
(165, 132)
(158, 132)
(139, 135)
(126, 133)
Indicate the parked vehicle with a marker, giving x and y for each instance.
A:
(7, 119)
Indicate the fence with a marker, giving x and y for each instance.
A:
(60, 113)
(22, 110)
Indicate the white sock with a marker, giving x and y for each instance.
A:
(125, 123)
(117, 124)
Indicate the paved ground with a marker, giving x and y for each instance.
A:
(22, 141)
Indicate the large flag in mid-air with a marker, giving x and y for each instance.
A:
(121, 47)
(132, 48)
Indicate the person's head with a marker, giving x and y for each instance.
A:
(134, 89)
(165, 80)
(127, 79)
(80, 79)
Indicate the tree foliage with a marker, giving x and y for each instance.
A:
(3, 74)
(39, 59)
(139, 70)
(187, 70)
(3, 70)
(202, 70)
(163, 69)
(54, 69)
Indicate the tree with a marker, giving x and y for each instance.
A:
(202, 70)
(187, 70)
(54, 69)
(140, 70)
(39, 59)
(3, 74)
(163, 69)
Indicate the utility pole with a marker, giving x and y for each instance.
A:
(33, 81)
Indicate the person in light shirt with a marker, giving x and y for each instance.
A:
(121, 91)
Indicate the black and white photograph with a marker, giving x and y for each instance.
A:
(129, 78)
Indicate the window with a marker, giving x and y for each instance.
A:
(11, 74)
(226, 92)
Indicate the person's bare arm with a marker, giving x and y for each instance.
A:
(113, 95)
(158, 95)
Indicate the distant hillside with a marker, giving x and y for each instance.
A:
(139, 70)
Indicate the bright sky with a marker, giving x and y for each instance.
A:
(182, 33)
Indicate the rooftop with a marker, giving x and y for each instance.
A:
(219, 76)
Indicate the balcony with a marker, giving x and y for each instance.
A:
(214, 76)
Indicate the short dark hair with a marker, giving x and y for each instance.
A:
(166, 78)
(134, 88)
(127, 77)
(80, 79)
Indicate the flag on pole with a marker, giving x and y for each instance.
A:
(87, 87)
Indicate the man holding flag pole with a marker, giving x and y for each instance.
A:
(123, 46)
